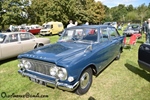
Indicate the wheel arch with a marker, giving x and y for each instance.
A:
(93, 68)
(38, 45)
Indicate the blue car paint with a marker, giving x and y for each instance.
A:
(75, 58)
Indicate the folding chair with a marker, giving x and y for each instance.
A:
(138, 35)
(124, 41)
(131, 42)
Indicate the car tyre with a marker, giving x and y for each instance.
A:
(118, 56)
(85, 82)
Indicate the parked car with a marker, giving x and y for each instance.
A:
(132, 29)
(51, 28)
(14, 43)
(114, 24)
(81, 51)
(34, 29)
(143, 56)
(107, 23)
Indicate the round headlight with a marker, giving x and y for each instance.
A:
(20, 65)
(27, 64)
(53, 71)
(62, 74)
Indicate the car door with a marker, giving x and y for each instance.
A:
(11, 47)
(144, 53)
(2, 39)
(104, 54)
(28, 41)
(55, 28)
(115, 41)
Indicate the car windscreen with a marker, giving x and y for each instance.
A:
(47, 26)
(135, 26)
(87, 35)
(2, 37)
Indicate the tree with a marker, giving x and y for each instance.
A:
(130, 8)
(91, 11)
(119, 12)
(132, 16)
(40, 11)
(14, 12)
(142, 11)
(98, 12)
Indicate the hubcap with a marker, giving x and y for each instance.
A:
(84, 80)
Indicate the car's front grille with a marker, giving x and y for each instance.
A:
(43, 31)
(40, 66)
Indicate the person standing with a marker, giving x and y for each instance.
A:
(76, 23)
(148, 31)
(70, 24)
(129, 24)
(144, 27)
(87, 23)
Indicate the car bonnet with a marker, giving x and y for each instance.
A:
(55, 52)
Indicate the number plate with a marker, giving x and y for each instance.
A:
(37, 81)
(32, 79)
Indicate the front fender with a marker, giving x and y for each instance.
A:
(78, 65)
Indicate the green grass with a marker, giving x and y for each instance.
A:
(121, 80)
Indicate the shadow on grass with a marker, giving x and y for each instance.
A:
(140, 42)
(91, 98)
(7, 60)
(140, 72)
(127, 47)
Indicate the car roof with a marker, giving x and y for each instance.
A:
(7, 33)
(89, 26)
(135, 24)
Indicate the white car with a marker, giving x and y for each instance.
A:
(114, 24)
(15, 43)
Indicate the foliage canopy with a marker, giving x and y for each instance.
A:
(40, 11)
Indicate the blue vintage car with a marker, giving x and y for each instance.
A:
(69, 64)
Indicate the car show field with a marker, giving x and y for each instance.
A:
(122, 80)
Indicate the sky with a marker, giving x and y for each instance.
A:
(113, 3)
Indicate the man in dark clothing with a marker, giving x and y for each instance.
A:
(148, 31)
(144, 26)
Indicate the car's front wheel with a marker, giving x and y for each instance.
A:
(118, 56)
(85, 82)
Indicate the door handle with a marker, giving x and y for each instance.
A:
(146, 48)
(19, 42)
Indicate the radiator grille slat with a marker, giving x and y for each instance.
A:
(40, 66)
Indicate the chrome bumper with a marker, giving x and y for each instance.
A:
(44, 33)
(55, 83)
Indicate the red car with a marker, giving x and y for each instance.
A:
(32, 29)
(35, 31)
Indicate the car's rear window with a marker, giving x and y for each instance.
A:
(2, 37)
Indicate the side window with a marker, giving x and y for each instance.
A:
(90, 34)
(104, 34)
(113, 33)
(2, 38)
(12, 38)
(24, 36)
(32, 36)
(60, 25)
(51, 26)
